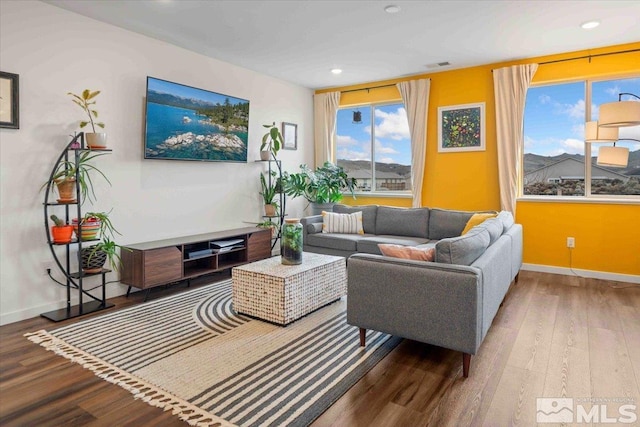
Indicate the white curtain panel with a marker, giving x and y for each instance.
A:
(510, 86)
(325, 106)
(415, 96)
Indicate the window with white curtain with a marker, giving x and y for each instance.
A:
(373, 145)
(554, 148)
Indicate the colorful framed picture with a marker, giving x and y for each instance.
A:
(9, 101)
(461, 128)
(289, 136)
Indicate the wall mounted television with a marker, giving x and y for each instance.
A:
(186, 123)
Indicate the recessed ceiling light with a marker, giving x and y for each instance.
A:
(392, 9)
(336, 70)
(590, 24)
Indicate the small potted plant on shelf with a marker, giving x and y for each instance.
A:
(268, 196)
(271, 142)
(93, 224)
(95, 256)
(65, 175)
(60, 231)
(322, 187)
(86, 101)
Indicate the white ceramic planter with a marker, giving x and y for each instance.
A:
(96, 140)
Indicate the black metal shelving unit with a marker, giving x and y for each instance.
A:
(73, 280)
(282, 197)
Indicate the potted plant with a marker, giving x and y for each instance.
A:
(93, 224)
(322, 188)
(271, 142)
(271, 225)
(268, 196)
(86, 101)
(60, 231)
(65, 177)
(94, 257)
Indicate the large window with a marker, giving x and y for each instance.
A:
(554, 147)
(375, 147)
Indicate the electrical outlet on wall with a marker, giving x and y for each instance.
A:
(571, 242)
(46, 265)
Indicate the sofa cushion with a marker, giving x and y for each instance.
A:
(462, 250)
(342, 223)
(507, 219)
(315, 227)
(368, 215)
(493, 226)
(403, 221)
(407, 252)
(342, 242)
(476, 219)
(369, 244)
(445, 223)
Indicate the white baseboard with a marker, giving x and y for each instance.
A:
(592, 274)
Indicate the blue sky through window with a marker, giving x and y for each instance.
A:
(555, 116)
(392, 140)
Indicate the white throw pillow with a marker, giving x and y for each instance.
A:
(342, 223)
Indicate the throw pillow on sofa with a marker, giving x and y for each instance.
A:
(342, 223)
(407, 252)
(477, 219)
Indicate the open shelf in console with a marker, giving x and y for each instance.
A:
(149, 264)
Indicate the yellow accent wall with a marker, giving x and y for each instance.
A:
(607, 235)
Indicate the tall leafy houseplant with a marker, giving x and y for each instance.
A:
(324, 185)
(87, 100)
(271, 142)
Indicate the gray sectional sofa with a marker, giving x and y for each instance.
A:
(450, 302)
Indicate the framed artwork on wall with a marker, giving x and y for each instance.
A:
(461, 128)
(289, 136)
(9, 101)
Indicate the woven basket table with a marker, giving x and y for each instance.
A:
(280, 293)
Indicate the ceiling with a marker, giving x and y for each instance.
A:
(301, 41)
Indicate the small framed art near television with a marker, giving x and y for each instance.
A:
(186, 123)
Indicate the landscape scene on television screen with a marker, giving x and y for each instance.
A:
(186, 123)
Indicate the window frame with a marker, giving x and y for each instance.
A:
(373, 106)
(588, 196)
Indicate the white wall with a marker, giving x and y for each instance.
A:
(55, 52)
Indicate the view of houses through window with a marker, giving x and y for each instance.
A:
(374, 146)
(554, 147)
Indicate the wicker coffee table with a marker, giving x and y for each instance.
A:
(280, 293)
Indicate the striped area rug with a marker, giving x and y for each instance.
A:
(192, 354)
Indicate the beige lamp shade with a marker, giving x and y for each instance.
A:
(613, 156)
(619, 114)
(595, 133)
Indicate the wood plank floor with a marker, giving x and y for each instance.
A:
(555, 336)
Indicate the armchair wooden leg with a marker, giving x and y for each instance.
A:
(363, 333)
(466, 362)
